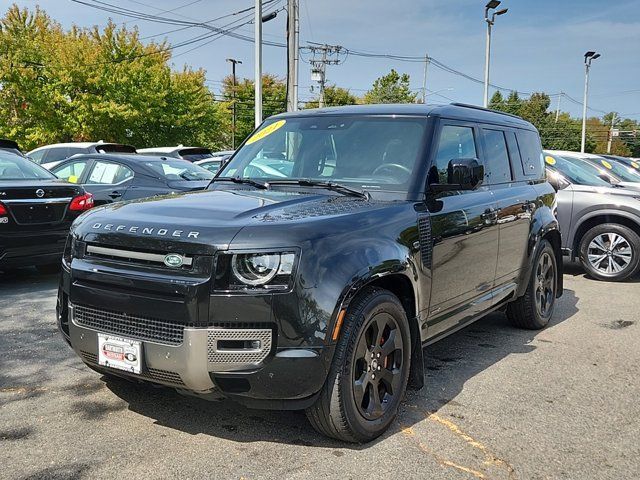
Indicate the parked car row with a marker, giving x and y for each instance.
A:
(599, 211)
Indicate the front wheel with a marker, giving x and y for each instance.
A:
(610, 252)
(534, 309)
(370, 370)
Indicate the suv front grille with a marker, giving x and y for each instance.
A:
(136, 257)
(131, 326)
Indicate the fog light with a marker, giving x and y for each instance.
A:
(256, 344)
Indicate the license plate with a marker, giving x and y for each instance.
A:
(120, 353)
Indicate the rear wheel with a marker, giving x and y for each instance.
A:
(610, 252)
(49, 269)
(368, 377)
(534, 309)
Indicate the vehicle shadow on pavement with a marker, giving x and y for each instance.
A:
(575, 269)
(449, 364)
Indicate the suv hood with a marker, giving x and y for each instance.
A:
(209, 219)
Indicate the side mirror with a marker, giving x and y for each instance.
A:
(462, 174)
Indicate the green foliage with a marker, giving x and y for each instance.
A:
(391, 88)
(274, 101)
(87, 84)
(334, 96)
(565, 134)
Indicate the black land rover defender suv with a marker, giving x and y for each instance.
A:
(322, 258)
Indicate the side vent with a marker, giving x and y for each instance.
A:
(426, 243)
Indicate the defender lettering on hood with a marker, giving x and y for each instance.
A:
(161, 232)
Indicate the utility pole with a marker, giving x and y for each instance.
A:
(492, 4)
(233, 62)
(558, 109)
(588, 58)
(613, 121)
(258, 62)
(424, 79)
(323, 55)
(293, 52)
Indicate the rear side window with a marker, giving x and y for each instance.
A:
(497, 168)
(455, 142)
(530, 153)
(71, 171)
(108, 173)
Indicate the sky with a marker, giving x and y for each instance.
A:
(537, 46)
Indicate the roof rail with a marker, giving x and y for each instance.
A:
(477, 107)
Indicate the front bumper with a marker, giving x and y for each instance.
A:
(263, 377)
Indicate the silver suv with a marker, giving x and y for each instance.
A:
(600, 223)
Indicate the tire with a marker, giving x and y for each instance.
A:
(610, 264)
(535, 308)
(49, 269)
(345, 412)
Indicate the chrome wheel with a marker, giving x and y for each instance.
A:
(609, 253)
(378, 366)
(545, 285)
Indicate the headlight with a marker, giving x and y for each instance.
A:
(255, 270)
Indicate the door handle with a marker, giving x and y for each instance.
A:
(115, 194)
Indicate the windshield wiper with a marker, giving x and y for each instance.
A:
(336, 187)
(246, 181)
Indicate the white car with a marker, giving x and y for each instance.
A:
(49, 156)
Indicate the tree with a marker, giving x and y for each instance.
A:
(274, 101)
(91, 84)
(334, 96)
(391, 88)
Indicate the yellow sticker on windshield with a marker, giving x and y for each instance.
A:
(72, 179)
(550, 160)
(606, 164)
(266, 131)
(635, 165)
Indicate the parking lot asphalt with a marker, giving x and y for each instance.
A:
(500, 403)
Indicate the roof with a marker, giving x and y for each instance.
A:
(164, 149)
(76, 144)
(454, 111)
(135, 158)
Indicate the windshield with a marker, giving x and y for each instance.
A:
(13, 167)
(623, 172)
(371, 153)
(576, 173)
(176, 169)
(591, 167)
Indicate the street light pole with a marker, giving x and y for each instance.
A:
(233, 62)
(424, 79)
(492, 4)
(258, 63)
(588, 58)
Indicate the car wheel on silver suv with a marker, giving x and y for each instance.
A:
(369, 373)
(610, 252)
(534, 309)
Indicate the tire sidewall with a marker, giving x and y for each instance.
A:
(362, 428)
(545, 247)
(621, 230)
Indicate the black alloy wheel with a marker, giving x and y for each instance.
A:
(377, 370)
